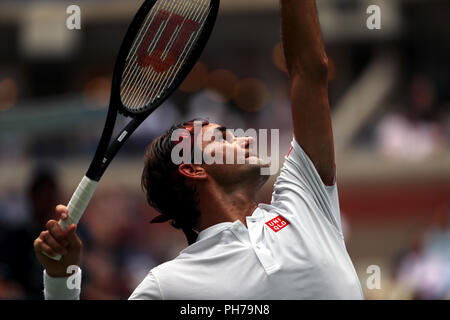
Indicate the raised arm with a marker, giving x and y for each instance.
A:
(307, 64)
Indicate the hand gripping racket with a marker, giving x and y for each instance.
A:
(162, 44)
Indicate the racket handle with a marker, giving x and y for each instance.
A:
(77, 205)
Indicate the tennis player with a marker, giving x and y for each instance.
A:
(292, 248)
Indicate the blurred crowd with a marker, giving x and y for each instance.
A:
(245, 88)
(419, 127)
(422, 271)
(119, 246)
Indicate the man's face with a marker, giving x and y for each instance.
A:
(232, 159)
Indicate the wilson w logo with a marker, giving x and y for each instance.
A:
(155, 57)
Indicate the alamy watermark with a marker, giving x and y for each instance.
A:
(374, 280)
(73, 21)
(374, 19)
(244, 147)
(73, 281)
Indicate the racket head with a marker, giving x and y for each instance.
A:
(162, 45)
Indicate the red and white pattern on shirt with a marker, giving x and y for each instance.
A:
(278, 223)
(289, 151)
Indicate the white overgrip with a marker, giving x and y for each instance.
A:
(77, 205)
(79, 201)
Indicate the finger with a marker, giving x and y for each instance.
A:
(61, 211)
(57, 232)
(52, 243)
(61, 207)
(71, 236)
(40, 246)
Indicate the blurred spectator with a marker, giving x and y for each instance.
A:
(17, 261)
(424, 269)
(45, 114)
(416, 132)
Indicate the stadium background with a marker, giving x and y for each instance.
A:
(390, 103)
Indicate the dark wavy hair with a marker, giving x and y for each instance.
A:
(166, 189)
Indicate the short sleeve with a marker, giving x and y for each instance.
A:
(148, 289)
(300, 190)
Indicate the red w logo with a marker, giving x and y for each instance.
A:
(154, 58)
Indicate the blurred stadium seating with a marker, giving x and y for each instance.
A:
(390, 99)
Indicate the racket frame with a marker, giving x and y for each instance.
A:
(104, 155)
(106, 150)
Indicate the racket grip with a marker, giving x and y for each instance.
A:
(79, 201)
(77, 205)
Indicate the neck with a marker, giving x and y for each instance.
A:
(218, 204)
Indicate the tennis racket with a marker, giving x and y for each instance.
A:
(162, 44)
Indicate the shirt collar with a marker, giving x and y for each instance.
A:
(217, 228)
(212, 230)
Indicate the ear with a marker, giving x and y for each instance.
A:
(192, 171)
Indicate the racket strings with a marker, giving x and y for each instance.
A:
(142, 84)
(144, 32)
(149, 76)
(139, 85)
(148, 37)
(129, 71)
(182, 55)
(158, 79)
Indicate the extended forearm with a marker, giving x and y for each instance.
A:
(301, 36)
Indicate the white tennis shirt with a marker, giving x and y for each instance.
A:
(291, 249)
